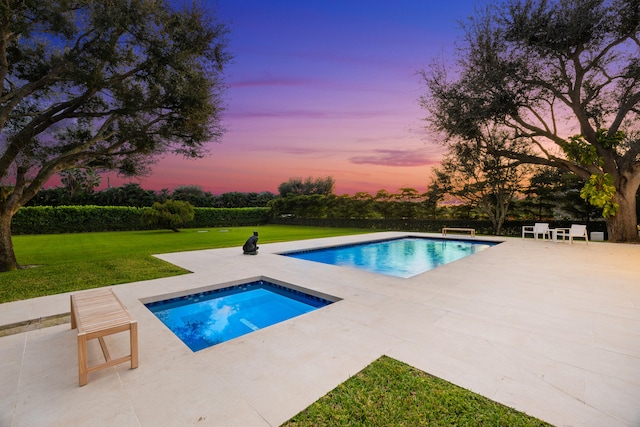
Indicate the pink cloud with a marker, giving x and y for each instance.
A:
(386, 157)
(292, 150)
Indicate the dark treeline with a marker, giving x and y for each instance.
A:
(134, 195)
(548, 196)
(365, 206)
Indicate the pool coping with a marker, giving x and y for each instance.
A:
(374, 242)
(238, 282)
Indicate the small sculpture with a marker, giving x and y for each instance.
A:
(250, 247)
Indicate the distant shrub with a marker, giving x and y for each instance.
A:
(171, 214)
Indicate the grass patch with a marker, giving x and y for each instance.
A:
(71, 262)
(392, 393)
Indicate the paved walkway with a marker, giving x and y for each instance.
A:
(550, 329)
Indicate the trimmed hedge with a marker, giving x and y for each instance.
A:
(423, 225)
(75, 219)
(229, 217)
(81, 219)
(510, 228)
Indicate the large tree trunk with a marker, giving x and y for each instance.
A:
(8, 260)
(622, 227)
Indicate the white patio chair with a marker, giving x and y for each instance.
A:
(576, 230)
(538, 229)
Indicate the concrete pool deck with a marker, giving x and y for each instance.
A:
(550, 329)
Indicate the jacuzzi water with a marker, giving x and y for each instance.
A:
(205, 319)
(402, 257)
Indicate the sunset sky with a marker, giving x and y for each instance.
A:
(323, 88)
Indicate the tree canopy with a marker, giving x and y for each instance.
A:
(86, 85)
(485, 180)
(171, 214)
(562, 76)
(298, 187)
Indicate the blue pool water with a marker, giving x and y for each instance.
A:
(403, 257)
(209, 318)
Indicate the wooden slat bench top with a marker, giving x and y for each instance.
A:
(98, 310)
(96, 314)
(470, 230)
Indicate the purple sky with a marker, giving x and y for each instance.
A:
(324, 88)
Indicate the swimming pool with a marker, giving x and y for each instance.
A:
(208, 318)
(401, 257)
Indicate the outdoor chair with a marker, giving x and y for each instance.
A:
(576, 230)
(538, 229)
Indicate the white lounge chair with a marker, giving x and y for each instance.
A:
(538, 229)
(576, 230)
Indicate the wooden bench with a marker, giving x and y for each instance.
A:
(96, 314)
(470, 230)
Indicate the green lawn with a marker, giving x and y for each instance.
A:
(70, 262)
(391, 393)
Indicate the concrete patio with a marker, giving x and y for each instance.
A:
(550, 329)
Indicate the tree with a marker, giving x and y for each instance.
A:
(108, 87)
(232, 199)
(570, 204)
(382, 203)
(304, 206)
(552, 193)
(193, 194)
(547, 70)
(407, 202)
(541, 195)
(79, 180)
(170, 214)
(261, 199)
(298, 187)
(130, 194)
(478, 175)
(344, 207)
(436, 191)
(361, 205)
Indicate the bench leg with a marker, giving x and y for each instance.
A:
(133, 336)
(73, 316)
(82, 359)
(105, 350)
